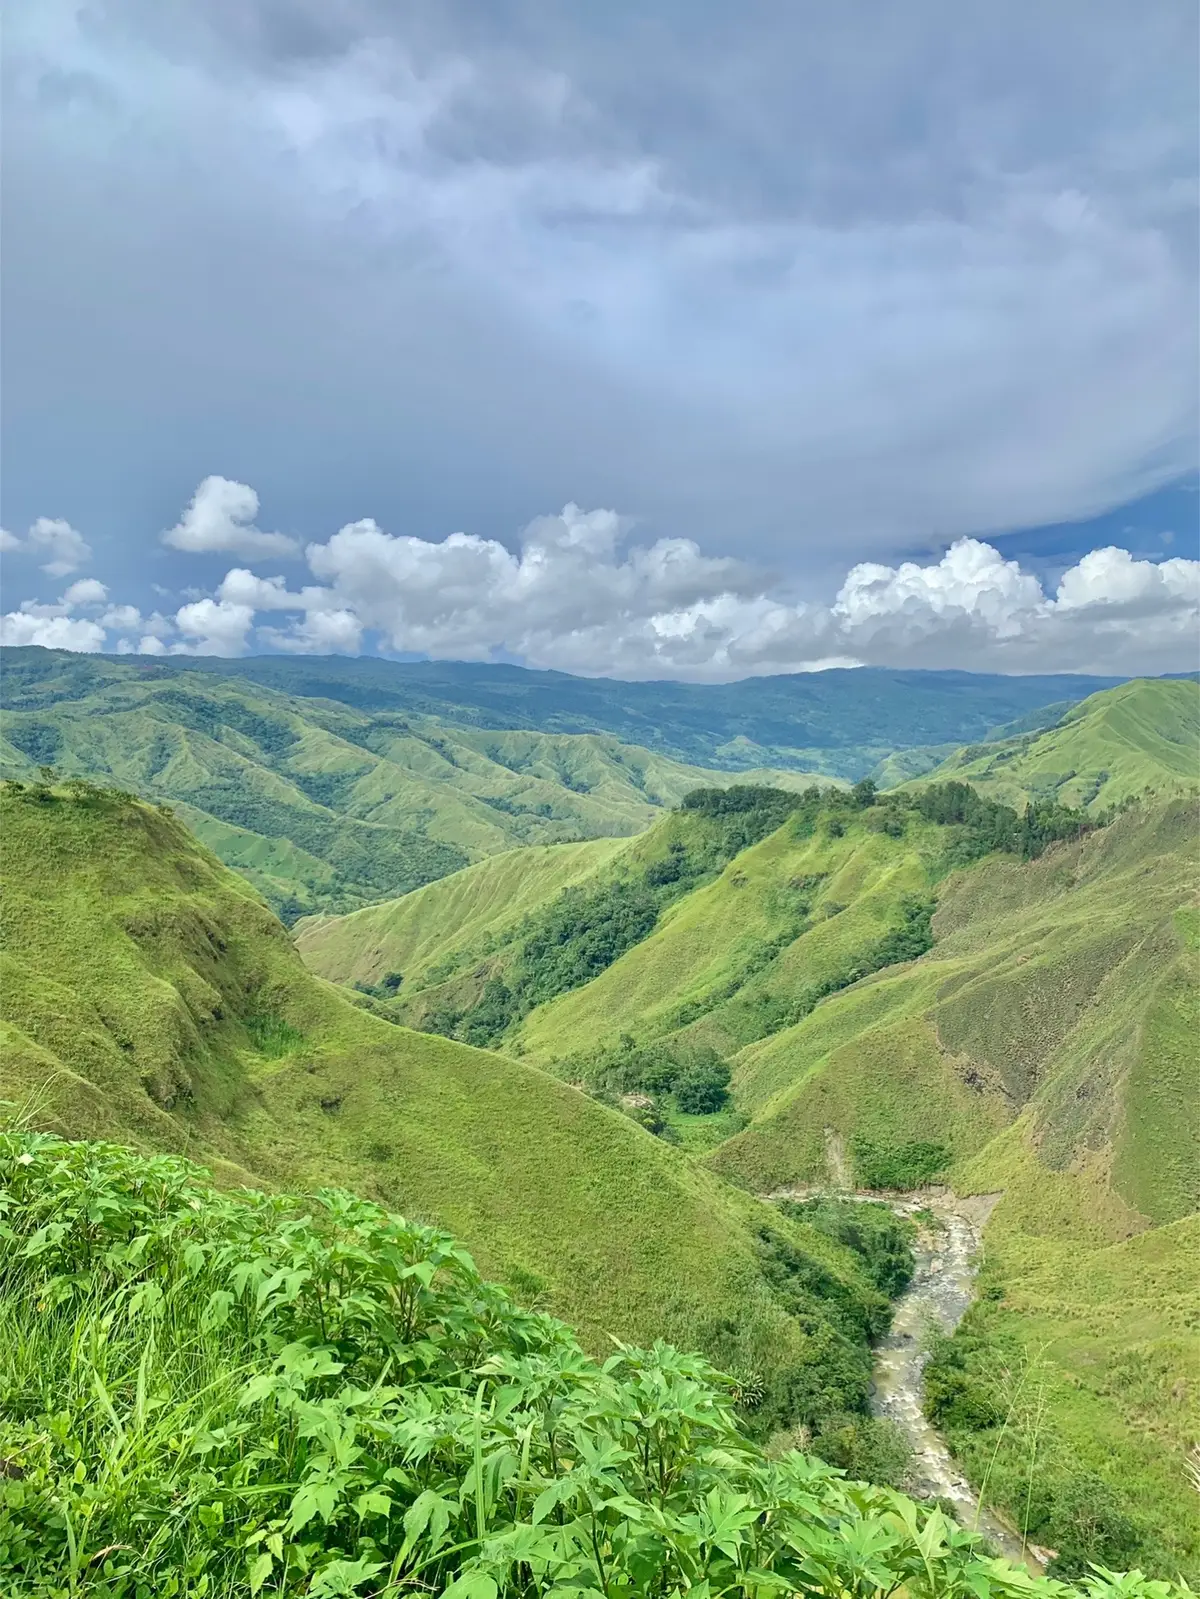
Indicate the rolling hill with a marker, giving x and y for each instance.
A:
(321, 806)
(149, 996)
(1141, 738)
(1047, 1043)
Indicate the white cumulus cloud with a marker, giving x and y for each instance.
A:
(88, 591)
(213, 627)
(55, 543)
(221, 518)
(579, 595)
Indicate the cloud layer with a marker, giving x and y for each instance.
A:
(579, 594)
(889, 276)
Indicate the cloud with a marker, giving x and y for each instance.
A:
(568, 592)
(325, 628)
(215, 627)
(581, 594)
(149, 644)
(51, 626)
(53, 633)
(579, 597)
(50, 536)
(815, 274)
(88, 591)
(221, 518)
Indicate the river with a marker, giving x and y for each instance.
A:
(947, 1248)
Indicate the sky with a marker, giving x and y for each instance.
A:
(651, 340)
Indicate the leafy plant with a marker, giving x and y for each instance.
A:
(209, 1394)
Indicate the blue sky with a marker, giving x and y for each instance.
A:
(800, 297)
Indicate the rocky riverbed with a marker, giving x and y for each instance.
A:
(943, 1284)
(942, 1287)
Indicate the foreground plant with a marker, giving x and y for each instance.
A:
(214, 1394)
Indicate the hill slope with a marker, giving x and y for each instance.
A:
(1040, 1048)
(148, 995)
(430, 1429)
(1143, 737)
(323, 806)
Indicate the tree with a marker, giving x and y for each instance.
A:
(703, 1088)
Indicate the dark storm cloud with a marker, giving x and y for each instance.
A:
(803, 283)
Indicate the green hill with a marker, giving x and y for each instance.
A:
(148, 995)
(445, 922)
(1039, 1047)
(1140, 738)
(320, 805)
(479, 950)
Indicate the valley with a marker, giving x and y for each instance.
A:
(604, 1014)
(1013, 1021)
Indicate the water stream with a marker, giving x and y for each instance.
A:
(940, 1291)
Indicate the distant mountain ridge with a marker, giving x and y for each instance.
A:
(333, 783)
(1143, 737)
(840, 721)
(321, 805)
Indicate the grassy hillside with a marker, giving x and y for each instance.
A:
(837, 722)
(444, 922)
(1046, 1048)
(148, 995)
(1141, 738)
(1039, 1047)
(325, 807)
(725, 963)
(218, 1395)
(490, 951)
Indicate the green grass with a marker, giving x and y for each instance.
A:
(451, 922)
(214, 1395)
(148, 996)
(1141, 738)
(794, 910)
(1048, 1042)
(1042, 1048)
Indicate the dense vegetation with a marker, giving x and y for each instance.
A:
(740, 979)
(984, 1393)
(582, 931)
(1044, 1049)
(587, 928)
(212, 1394)
(881, 1239)
(146, 995)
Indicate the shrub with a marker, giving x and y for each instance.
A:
(869, 1448)
(881, 1239)
(702, 1088)
(880, 1164)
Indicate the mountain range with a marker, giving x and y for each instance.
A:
(614, 1014)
